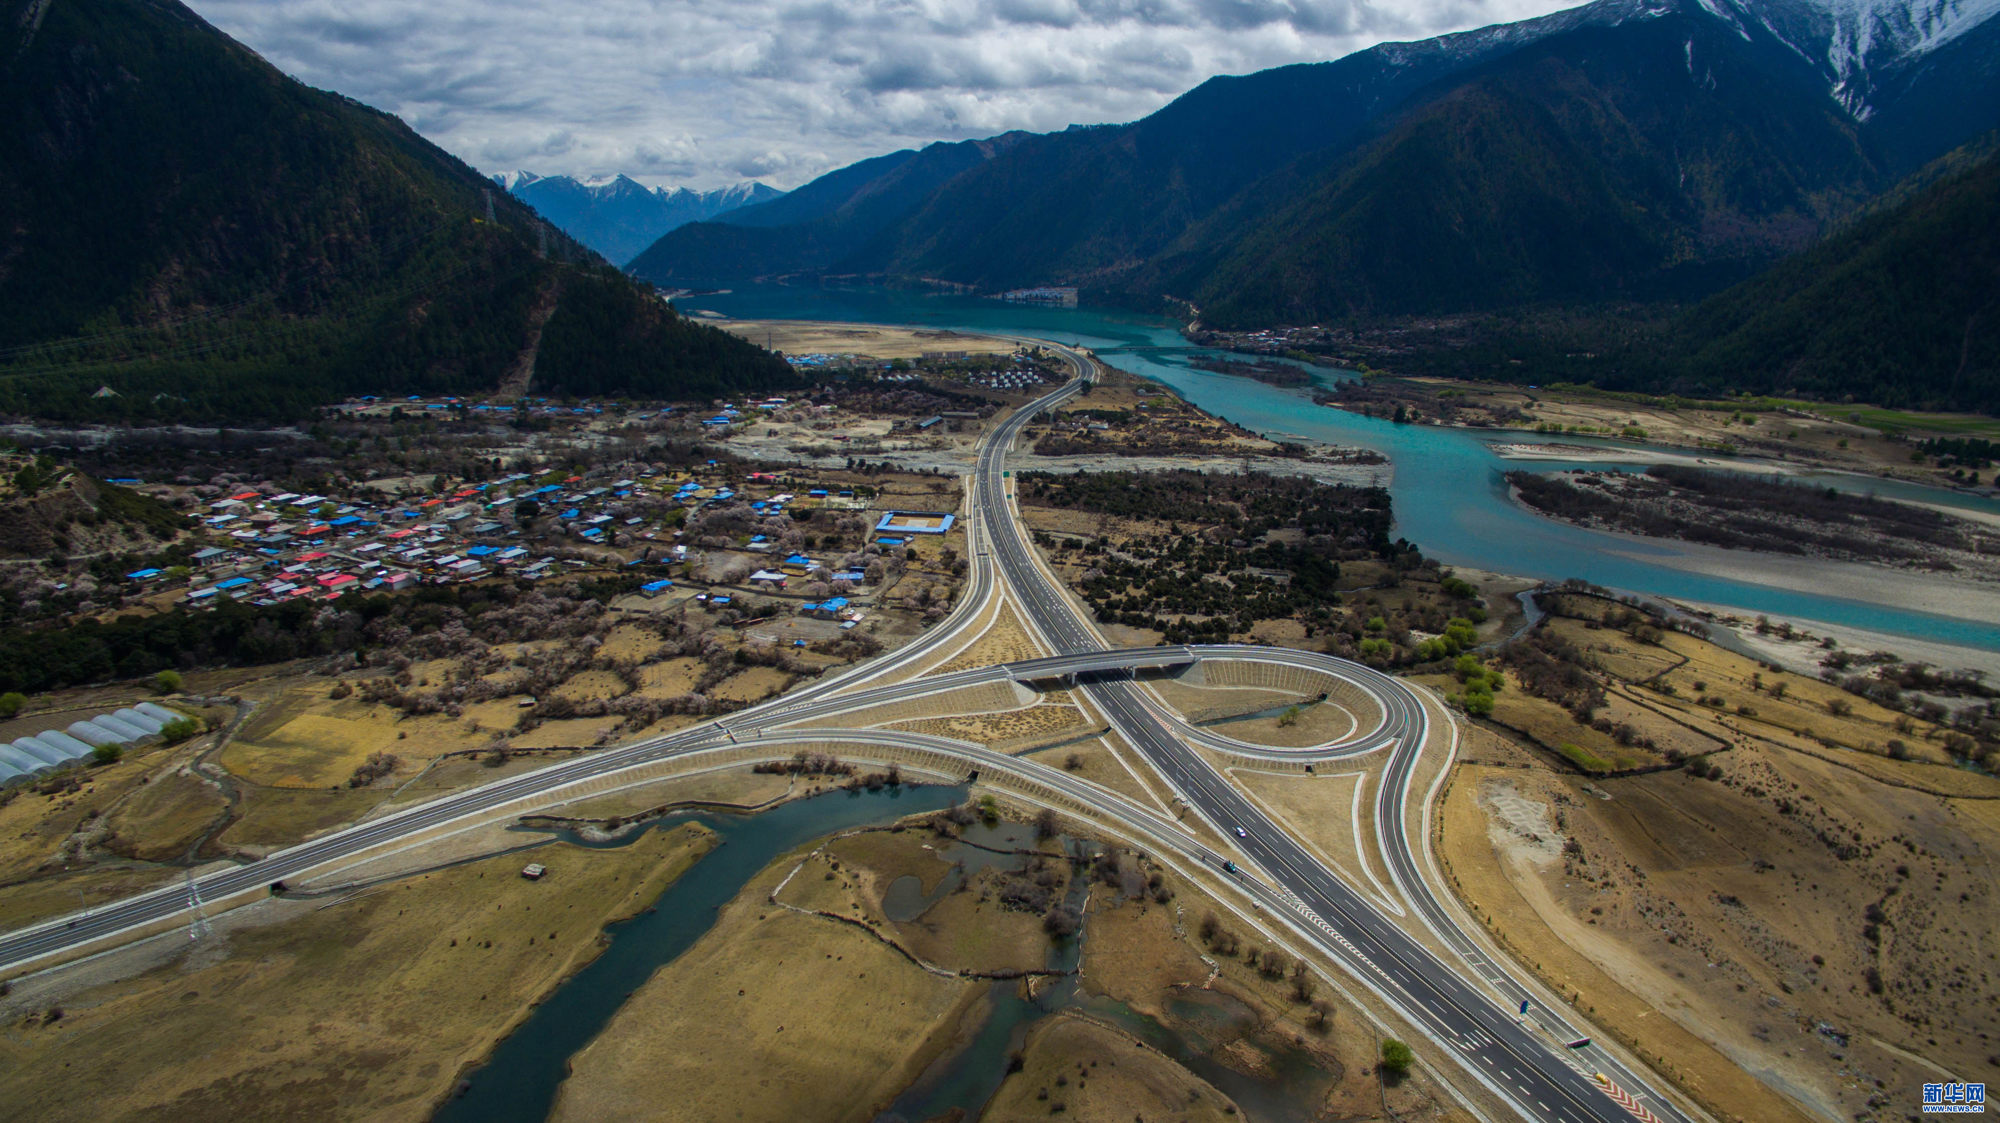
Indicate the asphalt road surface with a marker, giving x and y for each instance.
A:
(1515, 1062)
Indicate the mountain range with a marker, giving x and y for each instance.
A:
(188, 234)
(618, 216)
(1626, 150)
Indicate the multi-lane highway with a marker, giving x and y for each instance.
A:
(1503, 1052)
(1511, 1058)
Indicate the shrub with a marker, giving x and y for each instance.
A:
(180, 729)
(167, 682)
(11, 703)
(374, 768)
(1396, 1059)
(106, 754)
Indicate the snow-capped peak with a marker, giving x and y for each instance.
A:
(1852, 42)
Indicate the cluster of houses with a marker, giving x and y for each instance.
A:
(266, 549)
(271, 548)
(1023, 375)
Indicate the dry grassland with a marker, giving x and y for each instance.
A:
(1094, 1074)
(1093, 760)
(586, 685)
(564, 733)
(33, 827)
(801, 337)
(752, 685)
(1791, 914)
(310, 751)
(367, 1009)
(459, 773)
(1827, 437)
(738, 787)
(985, 698)
(300, 738)
(771, 1015)
(1692, 697)
(1148, 957)
(672, 723)
(670, 679)
(1011, 731)
(1005, 642)
(964, 930)
(1214, 703)
(1134, 954)
(1319, 810)
(500, 715)
(1316, 723)
(163, 820)
(632, 642)
(268, 818)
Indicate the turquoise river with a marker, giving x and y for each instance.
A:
(1450, 497)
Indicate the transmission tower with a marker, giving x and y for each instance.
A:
(198, 926)
(489, 204)
(541, 239)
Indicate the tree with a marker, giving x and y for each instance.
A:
(106, 754)
(167, 682)
(11, 703)
(1061, 922)
(1396, 1060)
(1046, 824)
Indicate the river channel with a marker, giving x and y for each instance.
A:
(518, 1083)
(1448, 487)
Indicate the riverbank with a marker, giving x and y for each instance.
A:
(359, 1007)
(1804, 651)
(1555, 452)
(861, 341)
(1757, 516)
(1851, 581)
(1780, 435)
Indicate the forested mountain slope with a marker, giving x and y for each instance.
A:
(186, 233)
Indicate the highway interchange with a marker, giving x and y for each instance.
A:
(1457, 1004)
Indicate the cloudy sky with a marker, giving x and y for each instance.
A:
(709, 92)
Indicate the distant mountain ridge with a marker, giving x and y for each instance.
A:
(617, 215)
(822, 223)
(289, 246)
(1630, 149)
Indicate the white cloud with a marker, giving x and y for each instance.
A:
(707, 92)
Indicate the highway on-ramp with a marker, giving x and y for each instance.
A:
(1503, 1052)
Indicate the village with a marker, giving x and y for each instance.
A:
(268, 548)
